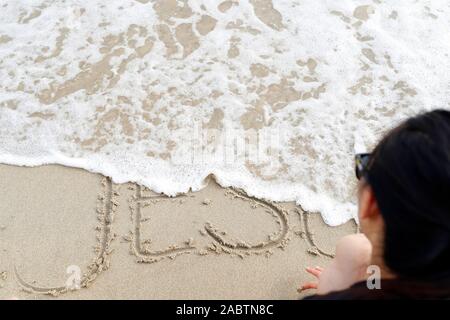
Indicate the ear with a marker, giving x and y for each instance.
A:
(368, 206)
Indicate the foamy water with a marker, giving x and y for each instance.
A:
(151, 91)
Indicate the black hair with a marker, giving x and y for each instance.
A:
(409, 172)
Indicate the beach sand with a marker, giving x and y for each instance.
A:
(61, 227)
(122, 88)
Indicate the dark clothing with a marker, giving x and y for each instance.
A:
(390, 290)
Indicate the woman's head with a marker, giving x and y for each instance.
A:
(408, 196)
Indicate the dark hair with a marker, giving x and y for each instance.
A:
(409, 172)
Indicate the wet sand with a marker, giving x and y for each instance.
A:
(257, 92)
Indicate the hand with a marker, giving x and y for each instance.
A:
(316, 272)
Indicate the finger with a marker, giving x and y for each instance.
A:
(313, 271)
(307, 286)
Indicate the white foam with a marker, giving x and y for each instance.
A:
(370, 67)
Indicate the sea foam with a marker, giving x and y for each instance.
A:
(273, 97)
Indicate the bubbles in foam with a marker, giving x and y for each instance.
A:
(269, 96)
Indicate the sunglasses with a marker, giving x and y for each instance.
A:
(361, 164)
